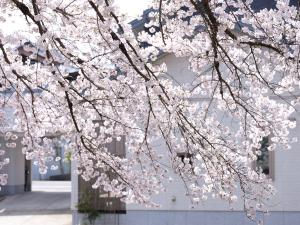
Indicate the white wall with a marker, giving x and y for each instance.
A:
(287, 166)
(16, 167)
(287, 169)
(287, 174)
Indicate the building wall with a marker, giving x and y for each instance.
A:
(63, 170)
(287, 177)
(15, 169)
(175, 206)
(286, 164)
(186, 217)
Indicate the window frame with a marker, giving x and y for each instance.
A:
(271, 162)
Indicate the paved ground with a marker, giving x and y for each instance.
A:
(51, 186)
(61, 219)
(47, 204)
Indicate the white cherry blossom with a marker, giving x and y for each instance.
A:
(78, 68)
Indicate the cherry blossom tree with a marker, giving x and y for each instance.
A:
(3, 161)
(242, 59)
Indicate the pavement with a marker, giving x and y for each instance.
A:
(61, 219)
(51, 186)
(47, 204)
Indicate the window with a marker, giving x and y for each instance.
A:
(265, 160)
(185, 157)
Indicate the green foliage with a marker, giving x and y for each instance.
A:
(68, 156)
(84, 206)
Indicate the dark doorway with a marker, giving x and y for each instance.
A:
(27, 185)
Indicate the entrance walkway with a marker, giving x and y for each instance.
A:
(47, 204)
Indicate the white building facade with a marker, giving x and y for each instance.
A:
(176, 208)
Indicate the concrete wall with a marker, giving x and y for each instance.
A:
(15, 169)
(150, 217)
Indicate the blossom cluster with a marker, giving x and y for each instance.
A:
(245, 65)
